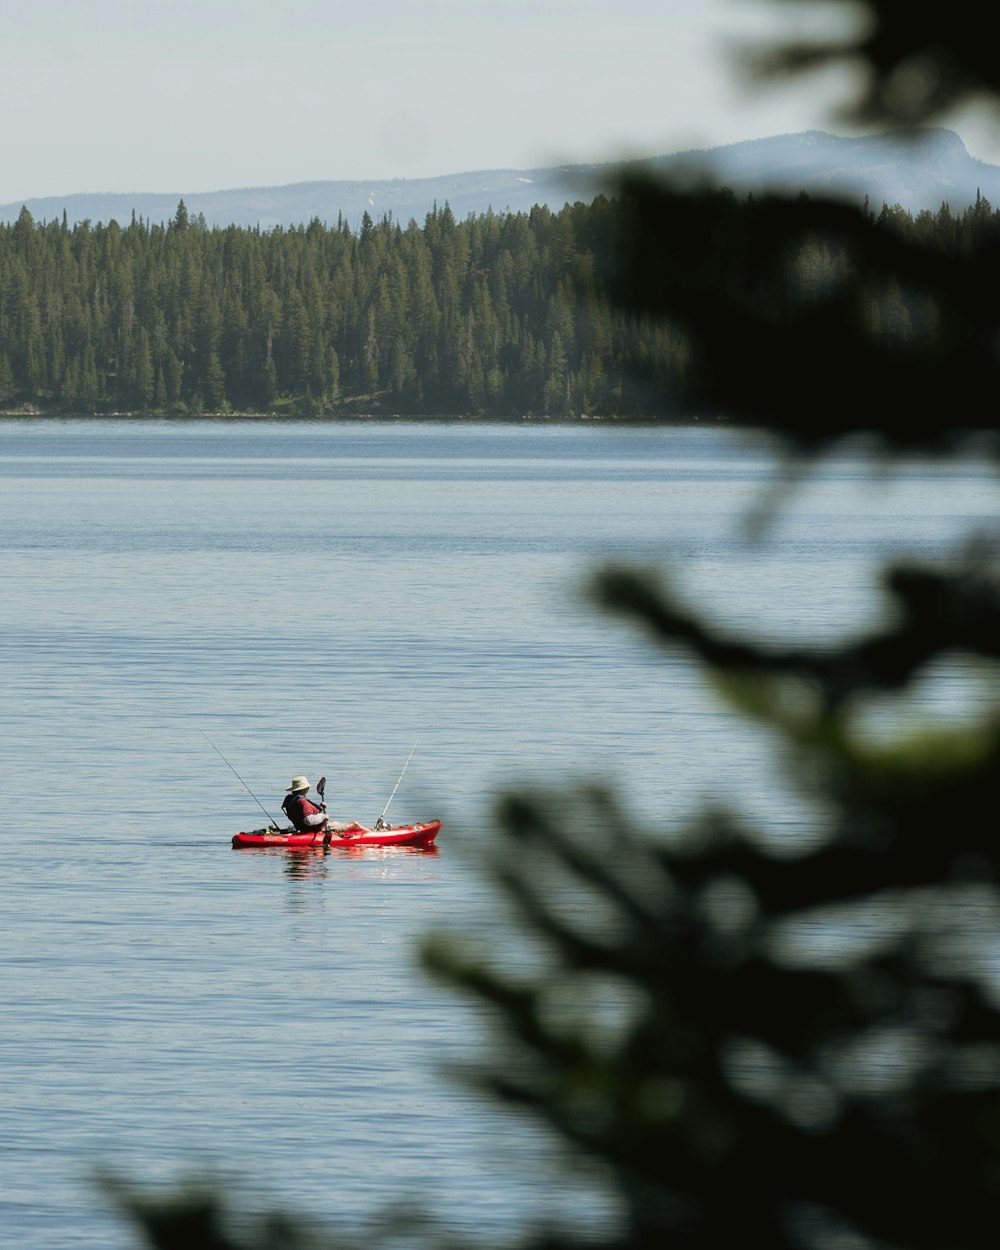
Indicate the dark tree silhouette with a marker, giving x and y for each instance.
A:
(745, 1092)
(755, 1096)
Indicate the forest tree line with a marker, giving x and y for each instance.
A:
(497, 315)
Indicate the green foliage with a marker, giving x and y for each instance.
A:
(506, 315)
(754, 1088)
(803, 1045)
(917, 63)
(685, 1022)
(816, 320)
(195, 1217)
(453, 318)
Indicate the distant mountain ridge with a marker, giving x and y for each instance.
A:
(931, 168)
(923, 171)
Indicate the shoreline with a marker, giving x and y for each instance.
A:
(29, 412)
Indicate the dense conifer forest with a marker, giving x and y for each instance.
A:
(497, 315)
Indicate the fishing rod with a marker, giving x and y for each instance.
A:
(240, 779)
(380, 823)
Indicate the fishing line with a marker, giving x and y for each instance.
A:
(380, 822)
(243, 783)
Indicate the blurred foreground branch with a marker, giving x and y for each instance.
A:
(795, 1050)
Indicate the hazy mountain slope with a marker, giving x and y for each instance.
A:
(514, 190)
(934, 168)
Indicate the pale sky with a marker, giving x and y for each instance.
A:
(201, 95)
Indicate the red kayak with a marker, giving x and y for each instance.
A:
(422, 835)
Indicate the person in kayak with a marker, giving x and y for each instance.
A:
(306, 817)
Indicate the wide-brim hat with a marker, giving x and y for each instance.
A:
(299, 783)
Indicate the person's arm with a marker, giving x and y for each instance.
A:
(312, 817)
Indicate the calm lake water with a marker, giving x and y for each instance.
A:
(316, 598)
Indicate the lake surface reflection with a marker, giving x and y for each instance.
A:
(315, 598)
